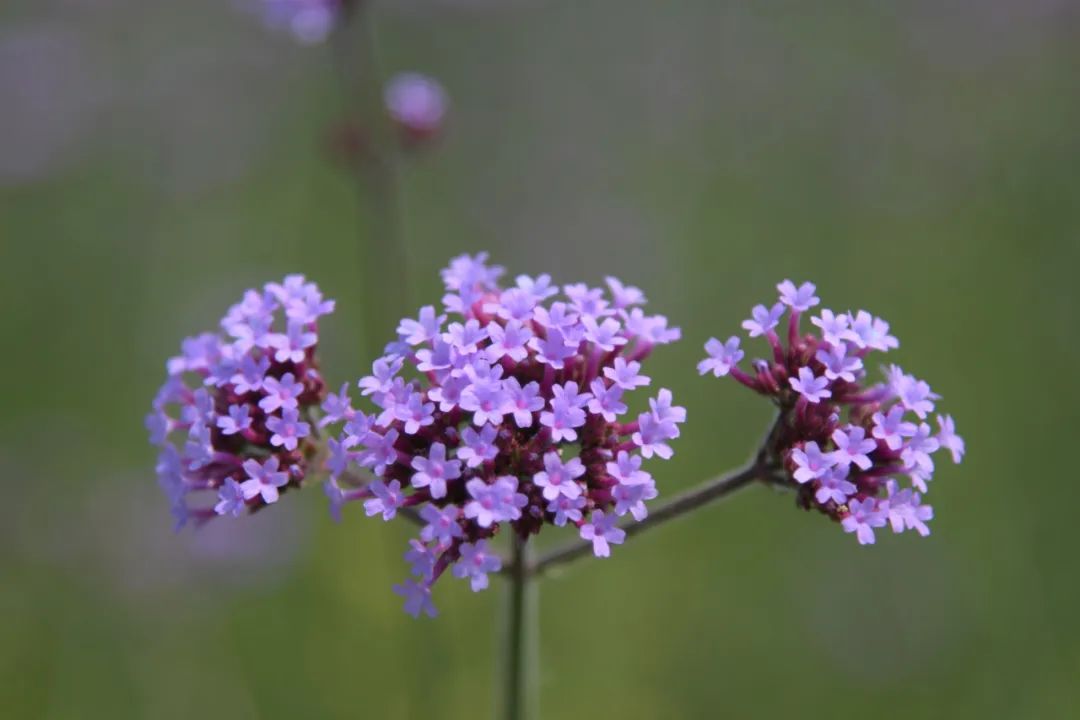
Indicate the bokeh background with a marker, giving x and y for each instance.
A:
(918, 159)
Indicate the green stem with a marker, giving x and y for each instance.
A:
(385, 256)
(519, 662)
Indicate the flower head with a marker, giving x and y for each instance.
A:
(841, 443)
(309, 21)
(417, 104)
(507, 411)
(230, 419)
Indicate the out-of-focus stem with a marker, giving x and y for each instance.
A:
(385, 256)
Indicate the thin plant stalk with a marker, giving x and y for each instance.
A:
(519, 656)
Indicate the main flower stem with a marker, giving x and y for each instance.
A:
(519, 659)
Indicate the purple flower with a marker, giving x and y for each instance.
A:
(838, 364)
(448, 395)
(852, 446)
(416, 103)
(862, 518)
(868, 331)
(834, 328)
(381, 451)
(948, 439)
(421, 560)
(424, 329)
(416, 413)
(589, 302)
(287, 430)
(553, 349)
(198, 450)
(236, 421)
(631, 499)
(435, 470)
(417, 598)
(230, 499)
(811, 463)
(800, 298)
(762, 320)
(606, 401)
(339, 459)
(539, 289)
(498, 502)
(442, 524)
(523, 401)
(915, 395)
(814, 389)
(486, 401)
(722, 357)
(834, 485)
(293, 345)
(651, 436)
(250, 374)
(601, 530)
(627, 469)
(465, 338)
(558, 478)
(916, 455)
(604, 335)
(891, 428)
(283, 393)
(478, 446)
(264, 479)
(383, 373)
(624, 295)
(158, 425)
(566, 412)
(337, 408)
(310, 23)
(388, 498)
(626, 374)
(906, 511)
(308, 309)
(566, 509)
(665, 412)
(509, 341)
(475, 562)
(336, 497)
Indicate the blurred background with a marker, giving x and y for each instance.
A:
(918, 159)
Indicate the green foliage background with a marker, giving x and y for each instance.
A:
(916, 159)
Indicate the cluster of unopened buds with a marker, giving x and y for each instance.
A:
(845, 445)
(507, 410)
(233, 419)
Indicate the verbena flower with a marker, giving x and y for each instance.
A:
(416, 104)
(505, 410)
(232, 419)
(309, 21)
(845, 444)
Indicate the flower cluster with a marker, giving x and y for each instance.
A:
(232, 419)
(849, 468)
(506, 408)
